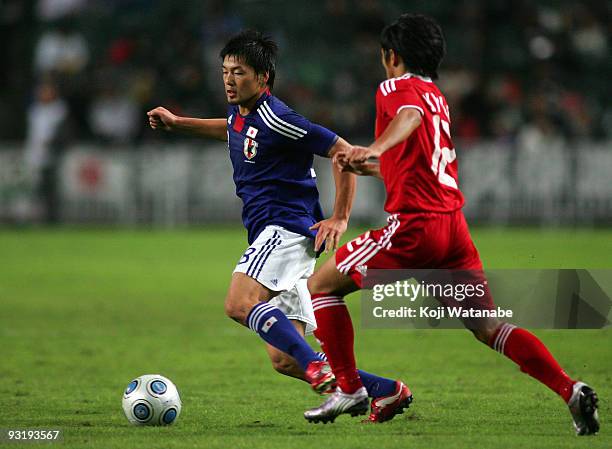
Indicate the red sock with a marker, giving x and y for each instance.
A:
(335, 333)
(526, 350)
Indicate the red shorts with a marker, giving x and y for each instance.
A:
(422, 241)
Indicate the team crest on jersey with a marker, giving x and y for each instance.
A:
(250, 148)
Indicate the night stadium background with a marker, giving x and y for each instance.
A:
(117, 242)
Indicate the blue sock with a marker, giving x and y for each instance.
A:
(375, 385)
(273, 326)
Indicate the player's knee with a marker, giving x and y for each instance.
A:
(235, 310)
(315, 284)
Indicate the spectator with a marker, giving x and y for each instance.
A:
(50, 10)
(62, 50)
(500, 55)
(46, 116)
(114, 116)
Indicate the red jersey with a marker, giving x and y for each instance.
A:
(420, 173)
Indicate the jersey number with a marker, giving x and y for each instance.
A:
(358, 241)
(442, 156)
(246, 255)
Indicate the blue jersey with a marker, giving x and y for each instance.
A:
(272, 151)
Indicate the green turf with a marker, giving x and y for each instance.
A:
(83, 312)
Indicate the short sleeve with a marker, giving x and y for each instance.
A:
(393, 100)
(304, 135)
(319, 140)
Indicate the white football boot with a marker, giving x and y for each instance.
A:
(583, 407)
(337, 404)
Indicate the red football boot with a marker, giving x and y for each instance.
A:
(386, 407)
(320, 377)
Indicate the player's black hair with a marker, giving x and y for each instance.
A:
(255, 50)
(418, 39)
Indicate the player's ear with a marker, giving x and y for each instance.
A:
(263, 78)
(396, 59)
(384, 54)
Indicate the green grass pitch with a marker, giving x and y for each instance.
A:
(82, 312)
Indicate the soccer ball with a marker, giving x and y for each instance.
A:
(151, 400)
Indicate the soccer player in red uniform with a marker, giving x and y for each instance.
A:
(426, 228)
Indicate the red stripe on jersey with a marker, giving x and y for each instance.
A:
(238, 123)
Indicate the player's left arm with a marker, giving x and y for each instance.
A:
(400, 128)
(330, 230)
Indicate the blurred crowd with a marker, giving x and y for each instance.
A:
(88, 70)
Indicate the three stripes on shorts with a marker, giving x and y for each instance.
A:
(260, 259)
(370, 247)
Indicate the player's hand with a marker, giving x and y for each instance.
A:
(364, 169)
(360, 155)
(161, 118)
(340, 160)
(329, 231)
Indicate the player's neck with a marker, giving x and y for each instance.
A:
(246, 107)
(397, 71)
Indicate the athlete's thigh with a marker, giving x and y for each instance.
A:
(328, 279)
(409, 241)
(460, 283)
(278, 258)
(244, 292)
(462, 254)
(274, 263)
(465, 266)
(296, 304)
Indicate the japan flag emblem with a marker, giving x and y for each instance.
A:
(252, 132)
(250, 148)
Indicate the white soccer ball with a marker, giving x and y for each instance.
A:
(151, 400)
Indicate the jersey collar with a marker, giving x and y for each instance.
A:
(412, 75)
(258, 103)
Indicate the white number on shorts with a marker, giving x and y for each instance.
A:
(442, 156)
(358, 241)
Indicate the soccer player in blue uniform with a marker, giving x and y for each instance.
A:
(271, 148)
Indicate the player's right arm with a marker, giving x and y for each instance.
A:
(369, 168)
(400, 128)
(214, 128)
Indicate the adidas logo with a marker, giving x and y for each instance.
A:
(362, 269)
